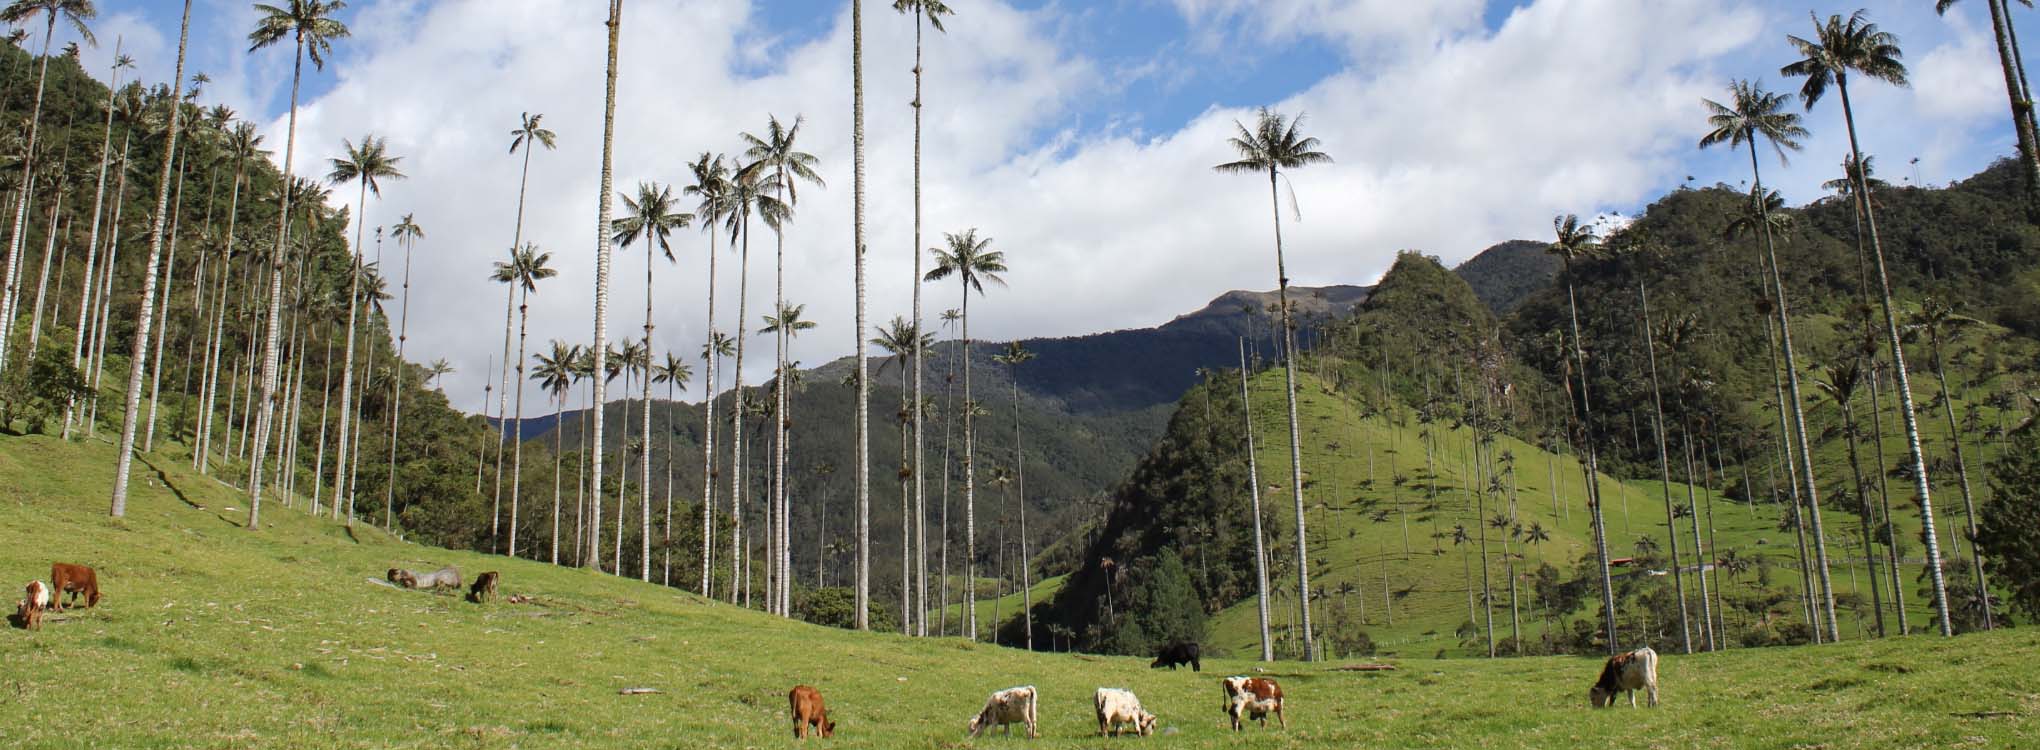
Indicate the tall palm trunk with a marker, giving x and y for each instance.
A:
(1592, 467)
(1884, 493)
(863, 429)
(601, 351)
(907, 613)
(1962, 472)
(1657, 406)
(969, 484)
(397, 392)
(502, 413)
(559, 451)
(644, 457)
(343, 491)
(141, 347)
(162, 304)
(92, 240)
(920, 489)
(708, 383)
(42, 284)
(1786, 455)
(948, 411)
(1862, 507)
(27, 192)
(1295, 432)
(1699, 546)
(1798, 434)
(276, 299)
(325, 399)
(210, 390)
(517, 452)
(1904, 387)
(1020, 478)
(737, 409)
(1254, 492)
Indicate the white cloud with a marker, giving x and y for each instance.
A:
(1463, 138)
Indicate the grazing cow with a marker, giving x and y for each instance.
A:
(1004, 709)
(66, 578)
(1253, 698)
(1177, 654)
(447, 577)
(31, 607)
(1630, 672)
(484, 588)
(809, 715)
(1116, 707)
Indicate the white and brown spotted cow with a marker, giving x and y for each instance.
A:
(1630, 672)
(1005, 708)
(1249, 698)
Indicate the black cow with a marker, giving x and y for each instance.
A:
(1176, 654)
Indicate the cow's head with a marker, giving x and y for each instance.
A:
(1601, 697)
(977, 723)
(828, 729)
(392, 575)
(1146, 723)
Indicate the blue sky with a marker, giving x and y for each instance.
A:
(1080, 134)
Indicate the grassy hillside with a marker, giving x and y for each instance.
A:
(215, 636)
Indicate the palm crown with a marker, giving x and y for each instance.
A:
(1272, 145)
(968, 257)
(1753, 113)
(1840, 46)
(529, 132)
(369, 163)
(711, 187)
(788, 319)
(72, 12)
(310, 22)
(526, 267)
(407, 230)
(1574, 241)
(651, 215)
(934, 10)
(776, 152)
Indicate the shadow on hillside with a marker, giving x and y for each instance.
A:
(165, 479)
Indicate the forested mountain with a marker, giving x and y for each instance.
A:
(1419, 408)
(216, 280)
(1504, 275)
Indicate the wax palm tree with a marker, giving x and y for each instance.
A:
(930, 12)
(1938, 320)
(900, 340)
(437, 371)
(653, 216)
(406, 233)
(1013, 357)
(711, 186)
(73, 13)
(1272, 146)
(529, 135)
(863, 427)
(79, 348)
(972, 261)
(749, 191)
(1650, 346)
(2015, 90)
(555, 373)
(602, 218)
(528, 266)
(141, 343)
(1573, 242)
(1254, 492)
(1838, 48)
(311, 27)
(674, 373)
(785, 326)
(1841, 382)
(367, 165)
(1754, 115)
(778, 151)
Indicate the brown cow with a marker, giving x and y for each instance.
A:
(809, 715)
(31, 607)
(484, 587)
(66, 578)
(1248, 698)
(1630, 672)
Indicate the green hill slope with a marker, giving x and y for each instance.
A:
(214, 636)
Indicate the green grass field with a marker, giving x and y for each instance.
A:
(215, 636)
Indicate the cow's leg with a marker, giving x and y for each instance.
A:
(1632, 699)
(1650, 691)
(1279, 718)
(799, 725)
(1196, 666)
